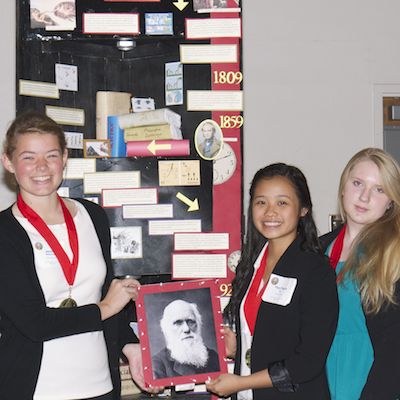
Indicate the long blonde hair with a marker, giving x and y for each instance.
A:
(374, 261)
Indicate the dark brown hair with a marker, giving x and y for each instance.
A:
(32, 122)
(255, 241)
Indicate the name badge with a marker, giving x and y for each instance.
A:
(279, 290)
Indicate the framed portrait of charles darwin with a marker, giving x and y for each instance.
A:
(179, 326)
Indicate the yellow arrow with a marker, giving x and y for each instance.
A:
(180, 4)
(153, 147)
(193, 205)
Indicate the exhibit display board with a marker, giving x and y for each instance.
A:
(150, 96)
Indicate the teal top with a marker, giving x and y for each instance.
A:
(351, 355)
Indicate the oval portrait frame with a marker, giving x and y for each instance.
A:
(199, 138)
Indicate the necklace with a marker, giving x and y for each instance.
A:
(69, 267)
(337, 248)
(253, 298)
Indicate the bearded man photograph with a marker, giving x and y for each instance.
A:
(185, 352)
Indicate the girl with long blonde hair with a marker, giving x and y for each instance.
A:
(362, 363)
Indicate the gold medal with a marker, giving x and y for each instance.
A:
(247, 357)
(68, 303)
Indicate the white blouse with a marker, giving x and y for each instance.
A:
(245, 334)
(76, 366)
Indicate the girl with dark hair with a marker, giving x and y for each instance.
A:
(284, 300)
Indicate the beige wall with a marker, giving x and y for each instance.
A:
(7, 83)
(310, 69)
(310, 73)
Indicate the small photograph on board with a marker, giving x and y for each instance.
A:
(208, 139)
(159, 23)
(53, 14)
(173, 83)
(179, 324)
(93, 148)
(214, 4)
(140, 104)
(126, 242)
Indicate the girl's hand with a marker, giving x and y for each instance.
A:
(230, 341)
(131, 286)
(133, 353)
(120, 293)
(225, 385)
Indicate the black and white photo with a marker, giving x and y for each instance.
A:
(181, 332)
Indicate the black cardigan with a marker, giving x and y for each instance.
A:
(26, 322)
(383, 381)
(299, 334)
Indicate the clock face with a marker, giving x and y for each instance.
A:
(224, 164)
(233, 260)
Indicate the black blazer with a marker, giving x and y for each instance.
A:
(383, 381)
(26, 322)
(299, 334)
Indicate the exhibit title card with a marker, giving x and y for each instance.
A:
(214, 100)
(77, 167)
(96, 182)
(38, 89)
(109, 23)
(201, 241)
(66, 116)
(118, 197)
(208, 53)
(193, 266)
(152, 211)
(202, 28)
(169, 227)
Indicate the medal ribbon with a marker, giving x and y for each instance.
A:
(253, 298)
(69, 268)
(337, 248)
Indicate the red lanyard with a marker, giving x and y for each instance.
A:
(337, 248)
(253, 298)
(69, 268)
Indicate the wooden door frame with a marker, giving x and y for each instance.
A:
(382, 90)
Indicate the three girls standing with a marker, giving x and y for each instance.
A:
(60, 322)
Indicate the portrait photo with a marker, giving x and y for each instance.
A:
(208, 139)
(179, 324)
(96, 148)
